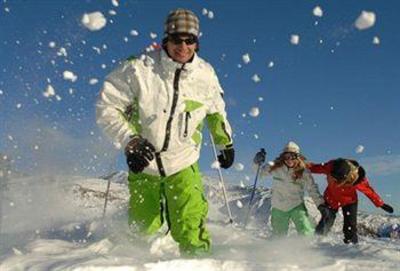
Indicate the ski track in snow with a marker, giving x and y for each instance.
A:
(54, 223)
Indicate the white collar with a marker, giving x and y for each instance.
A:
(171, 65)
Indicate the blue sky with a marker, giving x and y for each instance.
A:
(333, 91)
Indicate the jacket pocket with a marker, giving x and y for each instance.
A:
(186, 124)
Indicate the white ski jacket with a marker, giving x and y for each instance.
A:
(288, 193)
(166, 103)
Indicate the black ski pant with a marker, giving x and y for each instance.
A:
(349, 222)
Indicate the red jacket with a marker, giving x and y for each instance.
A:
(337, 196)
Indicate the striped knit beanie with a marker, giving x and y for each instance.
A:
(181, 21)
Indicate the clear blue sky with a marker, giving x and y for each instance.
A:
(334, 91)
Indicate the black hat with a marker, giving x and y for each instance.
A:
(340, 169)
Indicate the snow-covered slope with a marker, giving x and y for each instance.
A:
(55, 223)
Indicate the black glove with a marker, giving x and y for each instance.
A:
(139, 152)
(387, 208)
(259, 159)
(226, 157)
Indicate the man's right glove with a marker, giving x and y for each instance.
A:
(387, 208)
(259, 159)
(226, 157)
(139, 152)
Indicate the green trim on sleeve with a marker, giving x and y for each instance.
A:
(216, 124)
(197, 135)
(131, 115)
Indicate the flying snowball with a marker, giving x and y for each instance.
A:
(94, 21)
(215, 165)
(359, 149)
(365, 20)
(68, 75)
(239, 166)
(254, 112)
(256, 78)
(49, 91)
(246, 58)
(294, 39)
(317, 11)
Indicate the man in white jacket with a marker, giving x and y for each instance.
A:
(154, 107)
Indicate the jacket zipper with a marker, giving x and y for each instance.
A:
(187, 117)
(169, 122)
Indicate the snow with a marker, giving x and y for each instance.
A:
(317, 11)
(62, 52)
(115, 3)
(94, 21)
(78, 239)
(238, 166)
(49, 92)
(68, 75)
(134, 33)
(376, 40)
(93, 81)
(359, 149)
(254, 112)
(294, 39)
(365, 20)
(153, 35)
(246, 58)
(271, 64)
(215, 165)
(256, 78)
(208, 13)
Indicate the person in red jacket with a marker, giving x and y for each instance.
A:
(344, 178)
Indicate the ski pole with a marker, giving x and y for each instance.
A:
(221, 179)
(259, 160)
(108, 187)
(106, 198)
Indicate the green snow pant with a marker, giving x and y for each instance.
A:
(181, 197)
(299, 216)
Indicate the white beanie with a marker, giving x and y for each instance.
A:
(291, 147)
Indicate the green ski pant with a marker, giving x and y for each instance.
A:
(181, 197)
(299, 216)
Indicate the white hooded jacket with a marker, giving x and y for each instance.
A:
(166, 103)
(288, 193)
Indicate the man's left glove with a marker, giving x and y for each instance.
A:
(139, 152)
(226, 157)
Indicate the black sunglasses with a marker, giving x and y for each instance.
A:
(289, 156)
(176, 39)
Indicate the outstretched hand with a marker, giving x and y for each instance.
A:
(387, 208)
(260, 156)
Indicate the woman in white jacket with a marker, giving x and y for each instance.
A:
(290, 179)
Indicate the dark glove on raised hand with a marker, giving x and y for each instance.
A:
(259, 159)
(226, 157)
(139, 152)
(387, 208)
